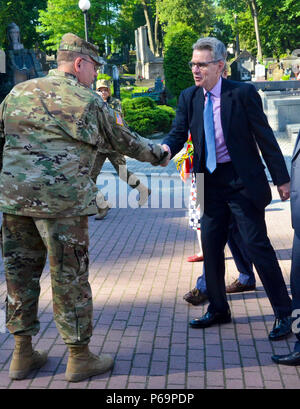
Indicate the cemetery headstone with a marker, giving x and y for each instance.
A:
(277, 73)
(147, 65)
(242, 67)
(21, 64)
(260, 72)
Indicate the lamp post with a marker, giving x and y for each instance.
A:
(85, 5)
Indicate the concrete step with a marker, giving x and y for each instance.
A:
(292, 131)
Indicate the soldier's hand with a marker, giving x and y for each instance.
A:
(167, 157)
(161, 154)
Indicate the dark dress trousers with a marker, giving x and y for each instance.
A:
(295, 209)
(239, 187)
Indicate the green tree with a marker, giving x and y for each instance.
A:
(61, 17)
(131, 16)
(25, 14)
(196, 14)
(269, 29)
(178, 51)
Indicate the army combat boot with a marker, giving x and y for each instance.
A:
(82, 363)
(102, 213)
(144, 194)
(25, 359)
(103, 206)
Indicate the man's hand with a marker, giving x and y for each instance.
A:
(167, 159)
(284, 191)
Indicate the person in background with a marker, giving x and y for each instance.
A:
(246, 280)
(118, 160)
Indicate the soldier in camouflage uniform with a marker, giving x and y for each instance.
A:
(50, 131)
(103, 88)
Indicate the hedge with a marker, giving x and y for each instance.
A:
(145, 117)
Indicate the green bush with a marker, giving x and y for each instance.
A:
(178, 52)
(138, 103)
(145, 117)
(167, 109)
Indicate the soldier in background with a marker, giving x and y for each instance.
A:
(118, 160)
(50, 131)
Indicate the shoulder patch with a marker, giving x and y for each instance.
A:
(119, 120)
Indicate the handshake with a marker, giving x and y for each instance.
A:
(163, 155)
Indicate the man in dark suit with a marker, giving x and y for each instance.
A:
(294, 357)
(227, 125)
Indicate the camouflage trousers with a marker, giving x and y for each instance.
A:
(26, 243)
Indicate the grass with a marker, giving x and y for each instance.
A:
(127, 94)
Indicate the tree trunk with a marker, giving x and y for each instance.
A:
(254, 12)
(156, 40)
(148, 23)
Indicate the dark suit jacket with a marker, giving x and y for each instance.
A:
(245, 127)
(295, 186)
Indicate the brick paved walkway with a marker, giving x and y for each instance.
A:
(138, 275)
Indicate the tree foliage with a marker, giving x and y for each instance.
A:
(279, 24)
(25, 14)
(62, 17)
(178, 52)
(43, 22)
(196, 14)
(131, 16)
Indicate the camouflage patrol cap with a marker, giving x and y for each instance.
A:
(102, 84)
(71, 42)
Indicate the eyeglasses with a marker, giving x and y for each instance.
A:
(91, 62)
(201, 65)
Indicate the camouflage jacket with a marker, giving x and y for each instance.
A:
(50, 131)
(115, 104)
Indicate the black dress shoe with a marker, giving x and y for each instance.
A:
(289, 359)
(281, 329)
(211, 318)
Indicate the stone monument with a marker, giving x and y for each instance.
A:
(148, 66)
(278, 73)
(242, 68)
(281, 103)
(260, 72)
(21, 64)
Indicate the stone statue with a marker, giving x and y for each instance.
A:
(13, 34)
(21, 64)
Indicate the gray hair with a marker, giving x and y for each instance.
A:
(216, 46)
